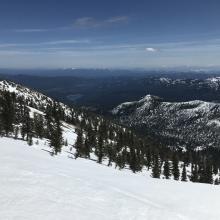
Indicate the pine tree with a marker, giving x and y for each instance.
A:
(66, 143)
(206, 175)
(175, 167)
(16, 131)
(79, 143)
(209, 173)
(184, 176)
(39, 125)
(166, 169)
(99, 151)
(148, 159)
(156, 167)
(30, 140)
(110, 154)
(27, 125)
(7, 112)
(194, 173)
(216, 182)
(86, 148)
(56, 139)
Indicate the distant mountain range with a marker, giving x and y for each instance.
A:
(104, 93)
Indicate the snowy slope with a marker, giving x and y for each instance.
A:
(35, 186)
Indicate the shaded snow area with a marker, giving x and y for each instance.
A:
(35, 185)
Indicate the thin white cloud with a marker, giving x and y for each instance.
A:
(151, 49)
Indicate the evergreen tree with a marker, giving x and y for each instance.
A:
(216, 182)
(194, 173)
(166, 169)
(99, 151)
(79, 143)
(206, 175)
(39, 125)
(27, 125)
(110, 154)
(56, 139)
(7, 113)
(175, 167)
(184, 176)
(16, 131)
(66, 143)
(30, 140)
(86, 148)
(156, 167)
(148, 158)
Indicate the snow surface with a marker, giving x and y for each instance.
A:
(35, 185)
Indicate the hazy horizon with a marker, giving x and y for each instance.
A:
(118, 34)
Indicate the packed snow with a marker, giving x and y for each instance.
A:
(35, 185)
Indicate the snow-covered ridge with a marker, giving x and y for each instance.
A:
(33, 97)
(212, 82)
(23, 91)
(148, 100)
(196, 122)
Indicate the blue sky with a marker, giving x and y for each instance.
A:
(109, 33)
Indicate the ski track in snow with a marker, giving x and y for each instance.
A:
(36, 186)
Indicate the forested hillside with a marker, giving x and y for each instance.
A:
(27, 115)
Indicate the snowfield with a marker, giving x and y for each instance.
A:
(35, 185)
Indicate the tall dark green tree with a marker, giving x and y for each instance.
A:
(175, 167)
(79, 143)
(7, 111)
(184, 175)
(166, 169)
(56, 140)
(100, 149)
(27, 124)
(39, 125)
(194, 173)
(156, 167)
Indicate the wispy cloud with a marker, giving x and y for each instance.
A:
(31, 30)
(82, 22)
(46, 43)
(83, 41)
(6, 45)
(118, 19)
(90, 22)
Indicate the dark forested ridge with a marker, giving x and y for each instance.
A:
(26, 114)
